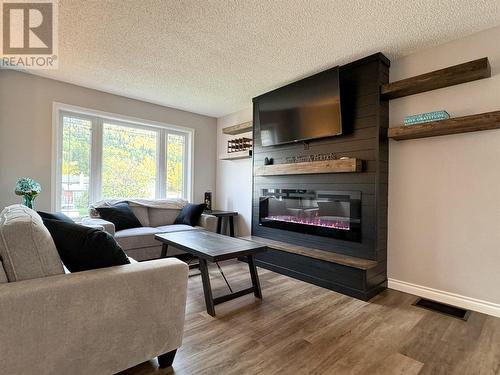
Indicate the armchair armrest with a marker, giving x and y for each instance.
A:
(107, 225)
(208, 222)
(94, 322)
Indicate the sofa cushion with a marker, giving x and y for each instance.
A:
(162, 216)
(134, 238)
(190, 214)
(121, 215)
(26, 246)
(3, 276)
(153, 252)
(141, 213)
(83, 248)
(145, 253)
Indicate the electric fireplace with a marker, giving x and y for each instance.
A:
(326, 213)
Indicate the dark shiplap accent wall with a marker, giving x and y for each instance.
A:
(365, 121)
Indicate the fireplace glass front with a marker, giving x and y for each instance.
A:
(326, 213)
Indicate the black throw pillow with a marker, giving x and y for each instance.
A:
(55, 216)
(121, 215)
(190, 214)
(82, 248)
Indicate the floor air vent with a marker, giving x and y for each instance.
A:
(453, 311)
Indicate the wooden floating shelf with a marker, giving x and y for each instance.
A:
(238, 129)
(473, 123)
(313, 167)
(453, 75)
(247, 154)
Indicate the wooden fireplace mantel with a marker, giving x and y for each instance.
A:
(312, 167)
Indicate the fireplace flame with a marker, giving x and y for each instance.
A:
(314, 221)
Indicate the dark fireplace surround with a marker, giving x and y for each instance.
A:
(343, 213)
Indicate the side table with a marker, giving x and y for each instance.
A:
(223, 214)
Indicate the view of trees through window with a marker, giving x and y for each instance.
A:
(175, 165)
(127, 163)
(75, 164)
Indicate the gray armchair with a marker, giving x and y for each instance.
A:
(93, 322)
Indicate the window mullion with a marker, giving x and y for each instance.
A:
(95, 193)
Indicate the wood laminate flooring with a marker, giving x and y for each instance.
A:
(300, 328)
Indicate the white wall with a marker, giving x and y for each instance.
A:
(26, 130)
(444, 192)
(234, 177)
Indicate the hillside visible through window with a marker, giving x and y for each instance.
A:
(128, 162)
(175, 165)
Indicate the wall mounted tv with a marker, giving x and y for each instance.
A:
(301, 111)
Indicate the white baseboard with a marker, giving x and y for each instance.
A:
(458, 300)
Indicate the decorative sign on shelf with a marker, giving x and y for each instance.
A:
(426, 117)
(314, 157)
(239, 144)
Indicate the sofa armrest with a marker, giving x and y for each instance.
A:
(208, 222)
(107, 225)
(94, 322)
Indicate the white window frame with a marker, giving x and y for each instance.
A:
(98, 118)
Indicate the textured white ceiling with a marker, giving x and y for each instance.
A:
(212, 57)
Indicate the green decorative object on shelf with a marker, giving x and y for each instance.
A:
(426, 117)
(28, 189)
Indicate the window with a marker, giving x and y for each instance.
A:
(99, 156)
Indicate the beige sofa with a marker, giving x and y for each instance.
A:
(85, 322)
(156, 216)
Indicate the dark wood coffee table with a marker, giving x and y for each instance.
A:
(213, 247)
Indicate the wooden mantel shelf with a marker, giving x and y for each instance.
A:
(473, 123)
(238, 129)
(313, 167)
(453, 75)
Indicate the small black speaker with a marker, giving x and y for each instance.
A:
(208, 200)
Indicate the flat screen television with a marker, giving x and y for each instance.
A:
(301, 111)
